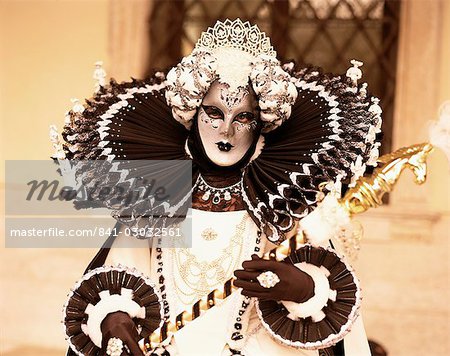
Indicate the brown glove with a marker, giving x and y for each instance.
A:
(120, 325)
(295, 285)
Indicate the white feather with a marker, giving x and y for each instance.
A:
(439, 131)
(325, 221)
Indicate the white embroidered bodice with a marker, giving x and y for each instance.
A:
(221, 241)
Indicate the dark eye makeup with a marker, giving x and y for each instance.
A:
(245, 117)
(213, 112)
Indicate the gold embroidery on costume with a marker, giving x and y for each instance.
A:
(197, 277)
(209, 234)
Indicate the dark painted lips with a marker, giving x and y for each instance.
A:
(224, 146)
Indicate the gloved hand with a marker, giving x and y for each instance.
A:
(295, 285)
(120, 325)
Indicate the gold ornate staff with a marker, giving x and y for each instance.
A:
(369, 191)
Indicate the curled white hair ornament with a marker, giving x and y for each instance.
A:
(275, 91)
(187, 84)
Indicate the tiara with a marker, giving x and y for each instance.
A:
(236, 34)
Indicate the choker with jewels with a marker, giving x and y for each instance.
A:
(217, 194)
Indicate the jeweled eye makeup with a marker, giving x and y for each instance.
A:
(245, 120)
(212, 112)
(209, 115)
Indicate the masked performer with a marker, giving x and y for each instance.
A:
(266, 142)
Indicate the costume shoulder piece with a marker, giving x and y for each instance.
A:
(125, 121)
(330, 136)
(129, 128)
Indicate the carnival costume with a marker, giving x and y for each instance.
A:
(315, 133)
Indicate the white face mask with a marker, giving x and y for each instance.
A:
(228, 123)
